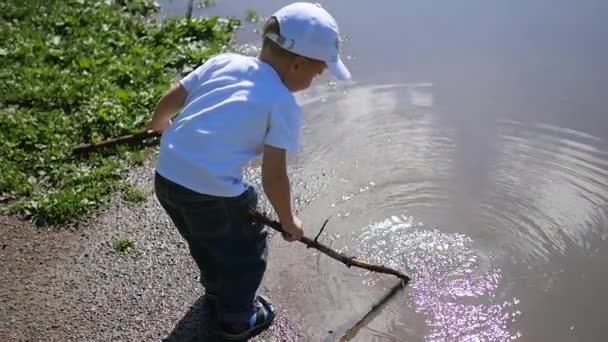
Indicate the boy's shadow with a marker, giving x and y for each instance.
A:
(198, 325)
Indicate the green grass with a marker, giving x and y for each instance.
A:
(78, 71)
(137, 157)
(124, 245)
(133, 194)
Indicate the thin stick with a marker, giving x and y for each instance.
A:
(371, 314)
(125, 139)
(347, 260)
(322, 228)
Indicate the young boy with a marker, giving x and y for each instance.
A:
(232, 109)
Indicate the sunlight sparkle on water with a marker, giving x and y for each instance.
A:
(454, 284)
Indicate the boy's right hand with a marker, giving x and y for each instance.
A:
(157, 125)
(293, 229)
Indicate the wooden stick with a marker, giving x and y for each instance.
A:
(125, 139)
(348, 261)
(372, 313)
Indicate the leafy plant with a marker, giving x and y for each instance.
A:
(78, 71)
(133, 194)
(137, 157)
(124, 245)
(252, 16)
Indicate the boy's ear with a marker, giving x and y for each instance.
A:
(298, 61)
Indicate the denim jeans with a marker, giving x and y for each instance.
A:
(229, 248)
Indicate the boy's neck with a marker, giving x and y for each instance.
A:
(273, 62)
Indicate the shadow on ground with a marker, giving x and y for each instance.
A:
(198, 324)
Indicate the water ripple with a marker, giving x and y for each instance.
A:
(550, 182)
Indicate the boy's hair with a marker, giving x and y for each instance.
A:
(272, 26)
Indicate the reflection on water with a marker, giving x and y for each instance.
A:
(453, 284)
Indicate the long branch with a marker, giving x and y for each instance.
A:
(125, 139)
(347, 260)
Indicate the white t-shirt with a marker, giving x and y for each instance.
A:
(235, 105)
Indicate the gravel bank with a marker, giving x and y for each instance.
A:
(69, 284)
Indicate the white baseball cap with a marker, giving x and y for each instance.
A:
(309, 30)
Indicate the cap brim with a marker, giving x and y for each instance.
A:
(339, 70)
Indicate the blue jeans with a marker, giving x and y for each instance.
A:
(229, 248)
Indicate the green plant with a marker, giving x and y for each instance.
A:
(252, 16)
(133, 194)
(137, 157)
(124, 245)
(78, 71)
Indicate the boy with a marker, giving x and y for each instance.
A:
(232, 109)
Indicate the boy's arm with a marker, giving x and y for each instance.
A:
(277, 188)
(169, 104)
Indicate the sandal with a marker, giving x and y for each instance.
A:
(259, 321)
